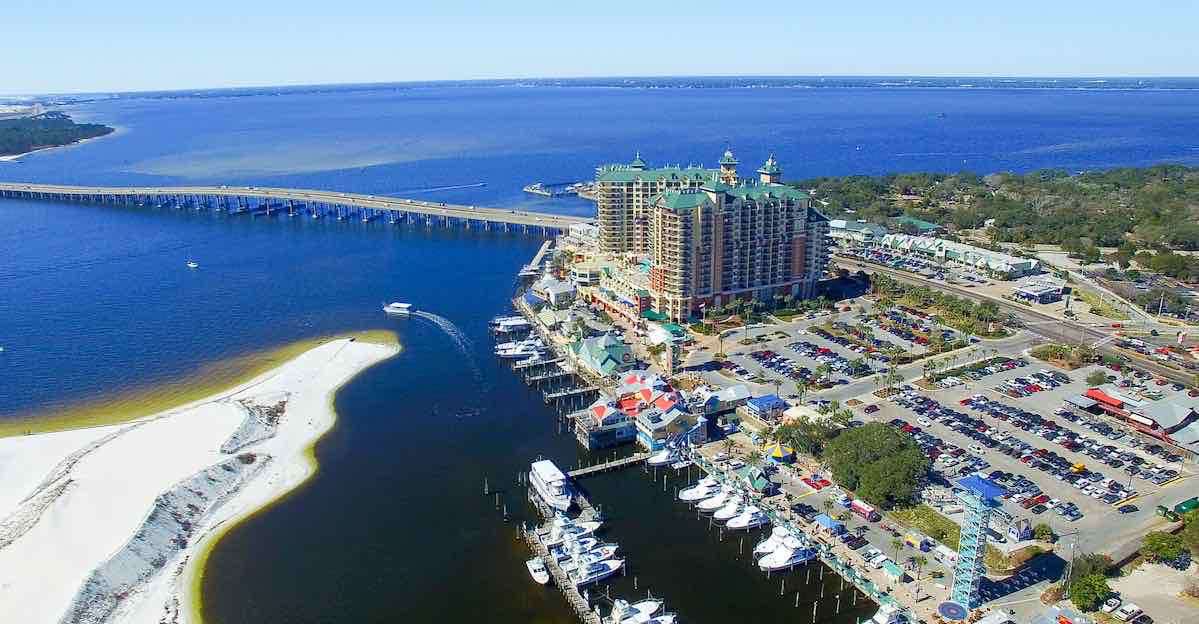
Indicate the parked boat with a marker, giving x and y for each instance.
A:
(537, 570)
(522, 349)
(551, 485)
(887, 614)
(564, 529)
(662, 457)
(730, 510)
(596, 572)
(636, 613)
(772, 542)
(698, 492)
(512, 325)
(715, 501)
(565, 549)
(790, 553)
(584, 559)
(751, 517)
(397, 308)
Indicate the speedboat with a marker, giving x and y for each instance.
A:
(636, 613)
(596, 572)
(790, 553)
(537, 570)
(192, 264)
(749, 518)
(716, 501)
(730, 509)
(397, 308)
(551, 485)
(772, 542)
(584, 559)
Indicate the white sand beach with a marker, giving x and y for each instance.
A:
(104, 524)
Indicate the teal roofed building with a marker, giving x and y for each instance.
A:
(603, 356)
(920, 226)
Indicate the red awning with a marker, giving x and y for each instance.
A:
(1102, 397)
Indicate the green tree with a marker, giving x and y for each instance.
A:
(1190, 532)
(1096, 378)
(1087, 592)
(1162, 546)
(882, 465)
(1043, 532)
(920, 561)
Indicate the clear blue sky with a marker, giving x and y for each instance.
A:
(90, 45)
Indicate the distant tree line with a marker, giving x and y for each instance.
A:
(1151, 206)
(26, 134)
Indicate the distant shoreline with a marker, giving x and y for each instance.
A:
(12, 158)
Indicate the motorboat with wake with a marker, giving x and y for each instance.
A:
(790, 553)
(596, 572)
(749, 518)
(538, 571)
(398, 308)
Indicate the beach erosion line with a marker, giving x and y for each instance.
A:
(151, 500)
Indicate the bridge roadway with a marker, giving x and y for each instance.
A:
(296, 201)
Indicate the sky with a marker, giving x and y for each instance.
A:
(62, 46)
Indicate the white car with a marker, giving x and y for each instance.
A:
(1111, 604)
(1128, 612)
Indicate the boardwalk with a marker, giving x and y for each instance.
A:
(301, 202)
(606, 466)
(581, 608)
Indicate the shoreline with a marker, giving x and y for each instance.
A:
(85, 526)
(12, 158)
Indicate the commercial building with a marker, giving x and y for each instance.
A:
(855, 233)
(710, 237)
(993, 262)
(1039, 292)
(602, 356)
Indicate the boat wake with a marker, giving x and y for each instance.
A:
(434, 189)
(460, 340)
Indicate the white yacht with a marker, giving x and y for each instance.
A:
(662, 457)
(699, 491)
(397, 308)
(730, 509)
(584, 559)
(566, 549)
(772, 542)
(522, 349)
(790, 553)
(512, 324)
(749, 518)
(716, 501)
(887, 614)
(538, 571)
(192, 264)
(636, 613)
(551, 485)
(564, 529)
(596, 572)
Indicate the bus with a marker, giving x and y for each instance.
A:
(868, 513)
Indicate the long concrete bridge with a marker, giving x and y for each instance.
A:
(256, 200)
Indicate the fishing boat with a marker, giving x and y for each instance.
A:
(551, 485)
(705, 488)
(749, 518)
(596, 572)
(715, 501)
(397, 308)
(635, 613)
(564, 550)
(584, 559)
(538, 571)
(887, 614)
(563, 529)
(662, 457)
(771, 543)
(730, 509)
(790, 553)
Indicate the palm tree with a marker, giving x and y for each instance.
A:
(827, 505)
(801, 389)
(920, 561)
(896, 544)
(728, 446)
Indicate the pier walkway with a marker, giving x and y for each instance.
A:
(253, 200)
(581, 608)
(611, 465)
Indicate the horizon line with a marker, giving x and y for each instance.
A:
(481, 80)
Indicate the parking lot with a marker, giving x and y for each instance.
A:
(1072, 472)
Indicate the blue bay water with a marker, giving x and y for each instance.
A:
(97, 300)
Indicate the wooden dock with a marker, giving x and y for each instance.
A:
(523, 365)
(606, 466)
(553, 374)
(562, 394)
(575, 599)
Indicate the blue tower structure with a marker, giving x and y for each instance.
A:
(978, 499)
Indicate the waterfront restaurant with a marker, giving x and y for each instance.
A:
(602, 356)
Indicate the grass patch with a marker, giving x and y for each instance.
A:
(930, 522)
(1099, 307)
(205, 381)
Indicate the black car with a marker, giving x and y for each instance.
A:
(1127, 509)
